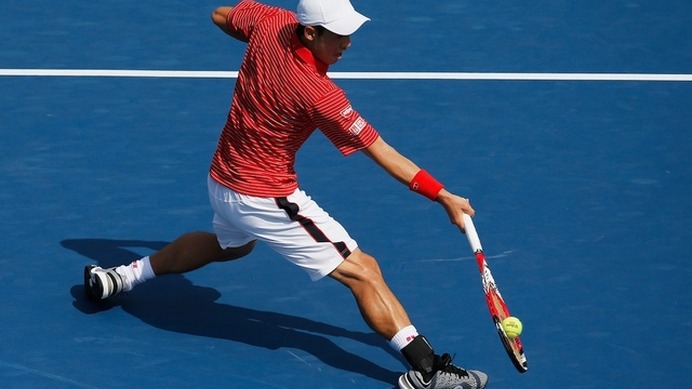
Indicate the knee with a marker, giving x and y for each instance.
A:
(369, 266)
(359, 268)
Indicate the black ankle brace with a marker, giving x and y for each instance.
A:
(421, 356)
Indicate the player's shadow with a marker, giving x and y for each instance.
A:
(173, 303)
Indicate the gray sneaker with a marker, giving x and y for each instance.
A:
(100, 283)
(447, 376)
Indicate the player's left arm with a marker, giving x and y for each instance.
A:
(220, 18)
(405, 171)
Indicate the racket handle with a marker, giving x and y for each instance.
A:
(471, 234)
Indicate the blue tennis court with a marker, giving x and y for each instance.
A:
(582, 193)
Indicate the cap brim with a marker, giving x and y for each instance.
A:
(347, 25)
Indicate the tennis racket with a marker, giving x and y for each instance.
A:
(496, 304)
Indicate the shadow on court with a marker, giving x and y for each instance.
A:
(174, 303)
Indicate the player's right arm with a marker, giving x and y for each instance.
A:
(404, 170)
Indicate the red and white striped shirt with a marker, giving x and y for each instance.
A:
(281, 96)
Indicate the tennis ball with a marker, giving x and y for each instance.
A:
(512, 327)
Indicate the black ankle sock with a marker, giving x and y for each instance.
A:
(421, 356)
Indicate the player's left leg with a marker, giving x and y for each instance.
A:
(189, 252)
(192, 251)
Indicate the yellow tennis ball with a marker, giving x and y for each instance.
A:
(512, 327)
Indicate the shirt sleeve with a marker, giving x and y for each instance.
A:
(246, 15)
(342, 125)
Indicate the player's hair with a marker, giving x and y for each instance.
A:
(301, 29)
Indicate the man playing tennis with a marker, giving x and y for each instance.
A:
(281, 96)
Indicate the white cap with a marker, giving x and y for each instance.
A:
(337, 16)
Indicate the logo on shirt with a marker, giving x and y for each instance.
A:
(357, 126)
(346, 112)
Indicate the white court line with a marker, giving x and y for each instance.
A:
(516, 76)
(115, 73)
(357, 75)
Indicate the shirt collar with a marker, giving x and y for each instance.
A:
(306, 55)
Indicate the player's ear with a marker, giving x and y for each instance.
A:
(310, 33)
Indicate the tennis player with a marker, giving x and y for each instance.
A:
(282, 95)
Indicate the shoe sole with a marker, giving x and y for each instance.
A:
(405, 383)
(480, 378)
(92, 286)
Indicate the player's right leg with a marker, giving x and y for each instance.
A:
(383, 312)
(432, 371)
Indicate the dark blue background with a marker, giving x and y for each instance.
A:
(581, 189)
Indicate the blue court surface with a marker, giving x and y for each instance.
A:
(582, 193)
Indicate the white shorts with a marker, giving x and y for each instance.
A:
(293, 226)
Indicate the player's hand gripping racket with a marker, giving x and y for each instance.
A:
(496, 304)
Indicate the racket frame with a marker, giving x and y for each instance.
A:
(494, 300)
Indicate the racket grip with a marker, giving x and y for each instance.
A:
(471, 234)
